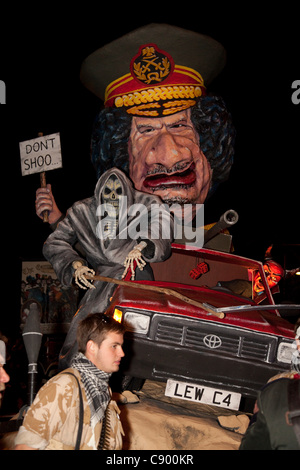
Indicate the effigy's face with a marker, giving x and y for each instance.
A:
(165, 159)
(257, 283)
(273, 276)
(110, 195)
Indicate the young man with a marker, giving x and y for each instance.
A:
(52, 421)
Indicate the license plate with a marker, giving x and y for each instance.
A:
(202, 394)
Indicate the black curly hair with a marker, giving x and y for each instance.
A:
(212, 121)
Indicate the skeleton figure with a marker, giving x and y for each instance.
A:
(81, 225)
(110, 197)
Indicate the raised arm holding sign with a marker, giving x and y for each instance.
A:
(38, 156)
(45, 202)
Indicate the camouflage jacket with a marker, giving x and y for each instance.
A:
(51, 423)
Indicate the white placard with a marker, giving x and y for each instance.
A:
(40, 154)
(202, 394)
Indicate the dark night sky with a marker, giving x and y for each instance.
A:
(41, 54)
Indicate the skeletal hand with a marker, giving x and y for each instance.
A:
(134, 255)
(80, 272)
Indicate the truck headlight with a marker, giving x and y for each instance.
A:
(118, 315)
(137, 322)
(284, 353)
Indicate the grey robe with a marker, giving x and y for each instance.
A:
(80, 225)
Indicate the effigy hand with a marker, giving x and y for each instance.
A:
(80, 272)
(45, 202)
(134, 255)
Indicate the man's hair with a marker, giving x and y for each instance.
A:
(211, 120)
(3, 338)
(95, 327)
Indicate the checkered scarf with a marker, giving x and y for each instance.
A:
(95, 384)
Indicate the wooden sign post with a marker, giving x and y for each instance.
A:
(43, 185)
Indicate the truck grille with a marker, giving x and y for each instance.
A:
(234, 341)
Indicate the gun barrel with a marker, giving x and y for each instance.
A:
(228, 219)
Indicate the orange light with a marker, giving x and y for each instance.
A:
(118, 315)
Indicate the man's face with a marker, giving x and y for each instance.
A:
(165, 159)
(108, 355)
(4, 378)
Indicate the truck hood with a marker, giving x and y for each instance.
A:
(264, 321)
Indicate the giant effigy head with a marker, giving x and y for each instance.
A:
(159, 124)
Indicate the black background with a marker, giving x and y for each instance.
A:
(42, 49)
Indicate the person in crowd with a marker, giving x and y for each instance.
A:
(4, 377)
(277, 422)
(53, 420)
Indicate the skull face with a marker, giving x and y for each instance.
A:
(110, 195)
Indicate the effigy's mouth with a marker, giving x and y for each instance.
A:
(164, 180)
